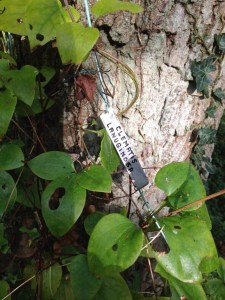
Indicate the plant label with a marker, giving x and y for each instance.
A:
(123, 148)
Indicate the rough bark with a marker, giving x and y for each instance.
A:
(159, 45)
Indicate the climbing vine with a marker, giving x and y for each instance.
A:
(53, 189)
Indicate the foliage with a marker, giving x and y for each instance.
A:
(67, 252)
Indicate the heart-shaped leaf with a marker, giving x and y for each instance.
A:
(41, 25)
(95, 178)
(187, 263)
(103, 7)
(51, 165)
(61, 211)
(75, 41)
(11, 157)
(121, 240)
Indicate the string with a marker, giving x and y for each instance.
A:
(101, 87)
(105, 99)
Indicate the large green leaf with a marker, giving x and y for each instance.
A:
(11, 157)
(41, 20)
(51, 165)
(22, 82)
(201, 71)
(192, 249)
(4, 289)
(103, 7)
(85, 285)
(7, 107)
(75, 41)
(8, 192)
(182, 184)
(95, 178)
(12, 18)
(109, 157)
(91, 221)
(121, 240)
(60, 219)
(182, 290)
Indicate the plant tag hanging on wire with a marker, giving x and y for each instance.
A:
(123, 148)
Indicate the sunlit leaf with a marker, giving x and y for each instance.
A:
(11, 157)
(121, 240)
(7, 107)
(190, 252)
(61, 211)
(92, 220)
(12, 18)
(103, 7)
(95, 178)
(42, 19)
(51, 165)
(75, 41)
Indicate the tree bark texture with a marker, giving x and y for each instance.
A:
(159, 45)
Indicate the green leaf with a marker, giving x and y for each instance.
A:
(41, 21)
(8, 192)
(12, 18)
(65, 290)
(84, 284)
(50, 279)
(51, 165)
(201, 71)
(91, 221)
(121, 240)
(103, 7)
(75, 41)
(95, 178)
(219, 93)
(4, 289)
(215, 289)
(28, 190)
(3, 240)
(220, 40)
(60, 219)
(113, 287)
(22, 82)
(8, 57)
(190, 252)
(109, 157)
(7, 107)
(179, 289)
(221, 269)
(192, 190)
(11, 157)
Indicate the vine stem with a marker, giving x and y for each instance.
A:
(217, 194)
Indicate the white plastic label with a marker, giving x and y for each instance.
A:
(123, 148)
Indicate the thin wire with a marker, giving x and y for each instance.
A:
(101, 88)
(146, 203)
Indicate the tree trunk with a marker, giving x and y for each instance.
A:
(159, 45)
